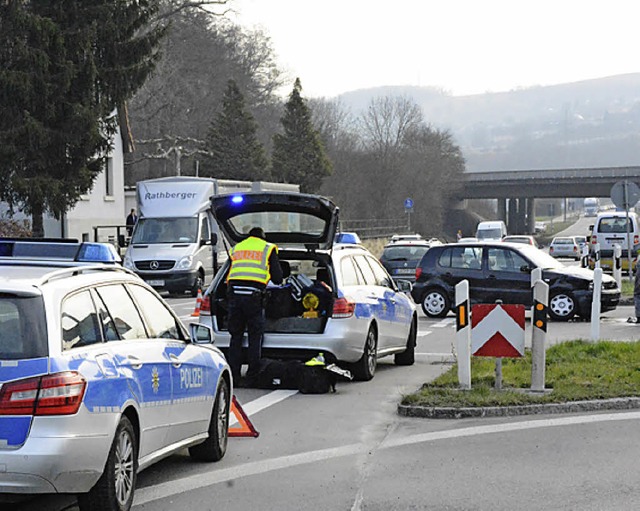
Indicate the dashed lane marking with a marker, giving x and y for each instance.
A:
(444, 323)
(190, 483)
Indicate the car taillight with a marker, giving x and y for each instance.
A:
(205, 306)
(52, 394)
(594, 239)
(550, 249)
(636, 239)
(575, 249)
(343, 308)
(418, 272)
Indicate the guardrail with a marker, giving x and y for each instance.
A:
(369, 228)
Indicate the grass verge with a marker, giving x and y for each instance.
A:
(576, 371)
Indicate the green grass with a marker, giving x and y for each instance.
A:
(627, 286)
(575, 370)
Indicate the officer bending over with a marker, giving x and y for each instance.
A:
(253, 263)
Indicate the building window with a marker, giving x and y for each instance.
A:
(108, 177)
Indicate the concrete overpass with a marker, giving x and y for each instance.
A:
(516, 190)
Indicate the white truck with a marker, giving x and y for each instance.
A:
(175, 245)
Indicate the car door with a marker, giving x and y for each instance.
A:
(397, 310)
(205, 251)
(458, 263)
(194, 380)
(508, 277)
(142, 361)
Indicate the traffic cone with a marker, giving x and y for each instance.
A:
(196, 312)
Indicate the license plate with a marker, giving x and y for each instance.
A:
(156, 283)
(405, 271)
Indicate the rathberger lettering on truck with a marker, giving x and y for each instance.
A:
(191, 378)
(170, 195)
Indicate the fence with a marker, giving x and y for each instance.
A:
(371, 228)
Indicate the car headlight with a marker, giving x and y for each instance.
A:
(128, 262)
(185, 263)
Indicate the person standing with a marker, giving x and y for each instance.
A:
(636, 296)
(132, 219)
(254, 262)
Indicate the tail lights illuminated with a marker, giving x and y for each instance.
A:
(205, 306)
(343, 308)
(636, 239)
(52, 394)
(594, 239)
(418, 272)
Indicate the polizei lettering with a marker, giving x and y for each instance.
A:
(170, 195)
(191, 377)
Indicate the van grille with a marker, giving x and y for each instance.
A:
(162, 265)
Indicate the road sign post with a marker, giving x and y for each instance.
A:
(617, 264)
(463, 334)
(408, 208)
(595, 304)
(539, 335)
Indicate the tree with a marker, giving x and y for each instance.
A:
(234, 152)
(65, 67)
(298, 153)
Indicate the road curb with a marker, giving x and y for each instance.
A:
(435, 412)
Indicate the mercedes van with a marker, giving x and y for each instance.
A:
(493, 230)
(611, 228)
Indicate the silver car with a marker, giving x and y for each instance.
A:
(337, 298)
(565, 247)
(98, 377)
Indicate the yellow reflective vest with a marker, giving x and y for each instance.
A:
(250, 260)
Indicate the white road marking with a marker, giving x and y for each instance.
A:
(190, 483)
(424, 334)
(444, 323)
(263, 402)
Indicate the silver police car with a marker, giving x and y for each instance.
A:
(98, 377)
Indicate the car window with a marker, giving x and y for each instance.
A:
(404, 253)
(205, 233)
(382, 277)
(505, 260)
(461, 257)
(109, 331)
(121, 308)
(160, 321)
(365, 269)
(348, 271)
(79, 320)
(23, 330)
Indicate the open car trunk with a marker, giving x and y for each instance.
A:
(289, 308)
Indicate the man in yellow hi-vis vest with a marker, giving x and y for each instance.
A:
(254, 262)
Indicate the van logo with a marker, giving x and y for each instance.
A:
(154, 265)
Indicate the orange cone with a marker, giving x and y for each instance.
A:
(196, 312)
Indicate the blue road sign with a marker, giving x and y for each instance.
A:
(408, 204)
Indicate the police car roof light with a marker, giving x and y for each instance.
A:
(237, 199)
(59, 251)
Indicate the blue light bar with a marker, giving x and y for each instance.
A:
(97, 253)
(237, 199)
(34, 249)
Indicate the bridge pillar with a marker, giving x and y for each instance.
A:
(531, 216)
(502, 210)
(512, 216)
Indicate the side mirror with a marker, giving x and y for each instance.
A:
(591, 228)
(214, 238)
(525, 268)
(200, 334)
(404, 285)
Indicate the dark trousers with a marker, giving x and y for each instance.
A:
(245, 312)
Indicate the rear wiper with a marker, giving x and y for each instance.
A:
(398, 259)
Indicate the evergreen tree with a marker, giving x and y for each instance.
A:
(232, 143)
(65, 66)
(298, 154)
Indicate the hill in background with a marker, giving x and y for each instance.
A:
(591, 123)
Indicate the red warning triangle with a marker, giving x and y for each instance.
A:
(245, 427)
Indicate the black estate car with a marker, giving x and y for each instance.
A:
(502, 271)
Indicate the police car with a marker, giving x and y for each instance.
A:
(98, 377)
(336, 299)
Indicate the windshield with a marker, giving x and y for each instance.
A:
(539, 258)
(273, 222)
(489, 234)
(23, 331)
(166, 230)
(406, 253)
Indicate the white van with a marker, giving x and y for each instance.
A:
(494, 230)
(175, 245)
(610, 229)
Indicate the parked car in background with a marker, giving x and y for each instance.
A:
(400, 258)
(565, 246)
(502, 271)
(582, 241)
(337, 299)
(527, 240)
(99, 379)
(540, 227)
(493, 230)
(470, 239)
(406, 237)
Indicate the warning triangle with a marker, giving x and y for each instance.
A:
(497, 346)
(245, 428)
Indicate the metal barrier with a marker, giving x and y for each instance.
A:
(371, 228)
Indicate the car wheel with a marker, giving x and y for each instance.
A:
(562, 306)
(215, 447)
(197, 285)
(408, 356)
(364, 369)
(114, 490)
(436, 303)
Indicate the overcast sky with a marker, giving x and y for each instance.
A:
(461, 46)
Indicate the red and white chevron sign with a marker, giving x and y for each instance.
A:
(497, 330)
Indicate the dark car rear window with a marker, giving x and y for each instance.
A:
(404, 253)
(23, 330)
